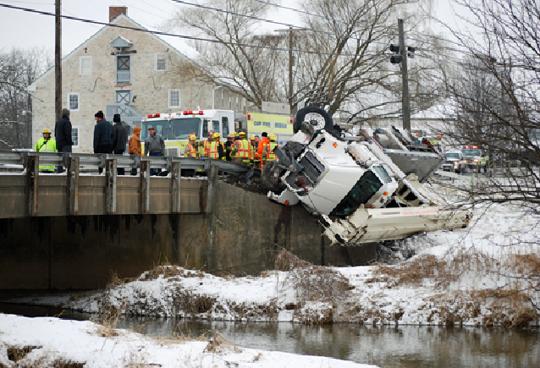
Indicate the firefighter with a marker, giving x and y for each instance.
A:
(206, 144)
(262, 150)
(244, 149)
(215, 148)
(46, 144)
(229, 147)
(270, 154)
(191, 147)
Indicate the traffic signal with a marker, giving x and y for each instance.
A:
(396, 57)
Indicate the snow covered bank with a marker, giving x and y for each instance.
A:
(487, 274)
(51, 342)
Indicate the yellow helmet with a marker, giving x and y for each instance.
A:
(272, 137)
(216, 135)
(46, 131)
(192, 137)
(231, 135)
(242, 134)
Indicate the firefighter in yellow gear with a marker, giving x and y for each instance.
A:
(244, 149)
(215, 148)
(267, 151)
(46, 144)
(206, 144)
(191, 148)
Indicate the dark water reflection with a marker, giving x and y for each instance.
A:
(402, 347)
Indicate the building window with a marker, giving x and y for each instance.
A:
(123, 97)
(225, 126)
(85, 65)
(174, 98)
(161, 63)
(73, 101)
(123, 69)
(75, 136)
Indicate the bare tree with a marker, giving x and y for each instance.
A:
(496, 96)
(242, 61)
(18, 69)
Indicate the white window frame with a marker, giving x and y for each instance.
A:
(78, 135)
(78, 101)
(157, 57)
(81, 65)
(179, 98)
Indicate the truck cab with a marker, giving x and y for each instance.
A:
(358, 193)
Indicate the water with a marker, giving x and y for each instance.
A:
(402, 347)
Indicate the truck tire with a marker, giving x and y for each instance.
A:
(317, 116)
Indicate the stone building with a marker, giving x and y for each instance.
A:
(124, 71)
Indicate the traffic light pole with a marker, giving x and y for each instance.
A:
(405, 101)
(58, 61)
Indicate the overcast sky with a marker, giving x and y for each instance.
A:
(26, 30)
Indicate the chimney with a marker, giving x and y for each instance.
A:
(115, 11)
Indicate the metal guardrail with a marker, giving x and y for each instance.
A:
(19, 160)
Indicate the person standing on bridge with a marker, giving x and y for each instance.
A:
(119, 138)
(62, 133)
(134, 147)
(102, 135)
(154, 145)
(46, 144)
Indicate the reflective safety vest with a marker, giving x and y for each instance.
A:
(243, 149)
(213, 151)
(270, 155)
(48, 145)
(191, 150)
(207, 147)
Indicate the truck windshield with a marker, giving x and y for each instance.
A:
(362, 191)
(173, 129)
(472, 152)
(452, 155)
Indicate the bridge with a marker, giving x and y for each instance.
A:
(78, 229)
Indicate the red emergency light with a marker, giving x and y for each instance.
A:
(471, 147)
(156, 115)
(191, 112)
(249, 116)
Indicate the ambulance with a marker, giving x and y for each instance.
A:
(175, 128)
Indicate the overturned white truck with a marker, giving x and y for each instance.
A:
(359, 194)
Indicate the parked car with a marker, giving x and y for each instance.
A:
(453, 161)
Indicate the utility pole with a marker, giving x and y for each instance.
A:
(291, 62)
(58, 60)
(405, 101)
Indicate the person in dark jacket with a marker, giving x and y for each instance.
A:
(103, 131)
(102, 135)
(119, 138)
(62, 133)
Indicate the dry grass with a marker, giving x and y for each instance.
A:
(317, 283)
(413, 272)
(286, 261)
(168, 271)
(16, 353)
(108, 316)
(525, 264)
(218, 344)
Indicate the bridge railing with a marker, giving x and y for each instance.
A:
(18, 161)
(25, 191)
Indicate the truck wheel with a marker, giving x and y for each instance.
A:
(314, 116)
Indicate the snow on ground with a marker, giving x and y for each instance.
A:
(486, 274)
(52, 342)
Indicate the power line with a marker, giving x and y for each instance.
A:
(270, 21)
(162, 33)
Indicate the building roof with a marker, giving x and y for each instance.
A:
(176, 44)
